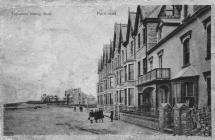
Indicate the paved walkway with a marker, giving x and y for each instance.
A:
(61, 120)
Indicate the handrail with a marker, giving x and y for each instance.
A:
(155, 74)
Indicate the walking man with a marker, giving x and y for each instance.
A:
(91, 114)
(111, 116)
(101, 115)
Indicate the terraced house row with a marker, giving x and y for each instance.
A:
(161, 56)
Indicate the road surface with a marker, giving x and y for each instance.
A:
(54, 120)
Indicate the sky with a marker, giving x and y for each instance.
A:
(49, 53)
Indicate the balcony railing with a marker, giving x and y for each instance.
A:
(155, 74)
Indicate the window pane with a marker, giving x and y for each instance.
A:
(125, 96)
(186, 54)
(131, 96)
(190, 89)
(209, 41)
(131, 72)
(138, 68)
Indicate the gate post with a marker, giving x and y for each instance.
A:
(177, 118)
(164, 116)
(161, 117)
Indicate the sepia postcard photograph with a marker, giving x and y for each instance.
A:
(99, 69)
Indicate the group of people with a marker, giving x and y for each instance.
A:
(96, 115)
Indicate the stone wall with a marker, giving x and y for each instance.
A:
(186, 121)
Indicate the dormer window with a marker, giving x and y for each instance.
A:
(169, 10)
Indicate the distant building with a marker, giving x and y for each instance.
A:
(49, 98)
(91, 100)
(75, 96)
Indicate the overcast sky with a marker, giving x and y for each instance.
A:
(51, 53)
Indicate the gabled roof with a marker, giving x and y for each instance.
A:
(146, 10)
(155, 12)
(132, 16)
(106, 48)
(116, 36)
(123, 32)
(143, 12)
(111, 50)
(117, 31)
(130, 25)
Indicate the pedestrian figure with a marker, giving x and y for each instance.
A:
(111, 116)
(80, 108)
(96, 115)
(101, 115)
(91, 114)
(74, 108)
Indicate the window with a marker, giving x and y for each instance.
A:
(186, 52)
(144, 36)
(144, 66)
(122, 55)
(117, 96)
(123, 75)
(185, 39)
(170, 10)
(106, 83)
(111, 98)
(130, 96)
(208, 80)
(120, 76)
(187, 91)
(111, 82)
(184, 92)
(125, 91)
(117, 77)
(177, 93)
(160, 58)
(131, 47)
(151, 63)
(125, 69)
(208, 42)
(139, 68)
(118, 60)
(139, 40)
(106, 99)
(120, 96)
(160, 61)
(131, 72)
